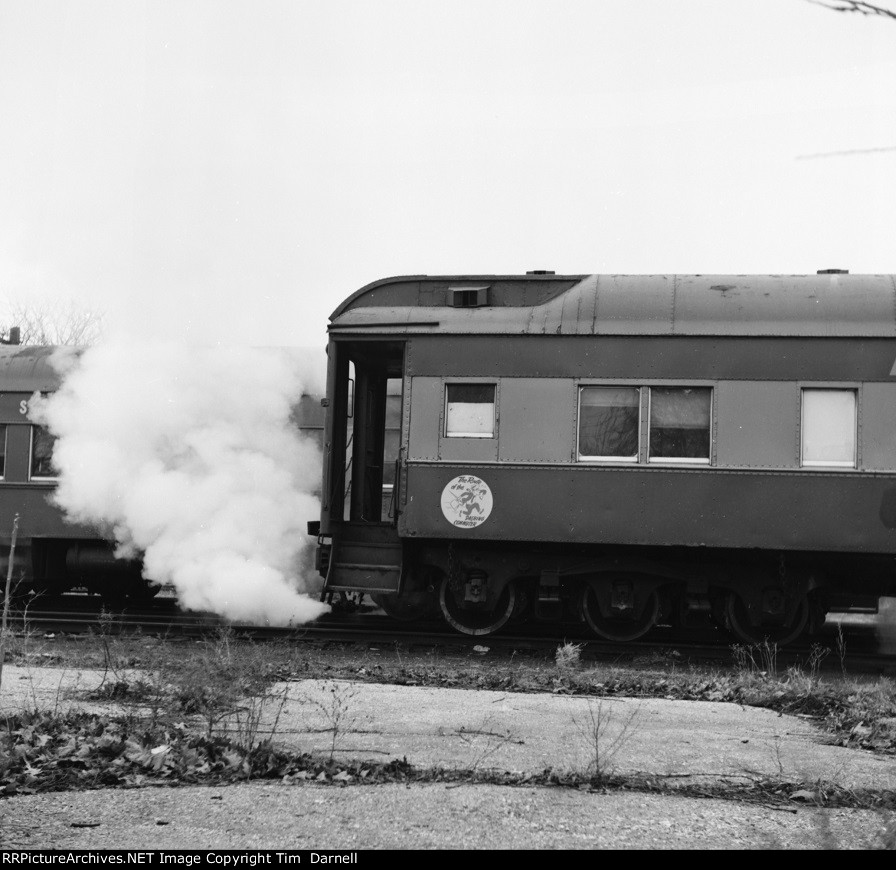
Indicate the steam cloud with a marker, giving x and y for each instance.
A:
(188, 457)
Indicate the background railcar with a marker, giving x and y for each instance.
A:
(53, 555)
(619, 448)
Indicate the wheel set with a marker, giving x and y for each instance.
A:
(474, 609)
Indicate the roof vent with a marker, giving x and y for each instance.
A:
(469, 297)
(542, 272)
(833, 272)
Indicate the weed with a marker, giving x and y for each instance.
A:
(569, 657)
(756, 658)
(335, 707)
(779, 761)
(484, 742)
(868, 719)
(605, 734)
(841, 648)
(225, 683)
(7, 594)
(817, 654)
(399, 649)
(228, 685)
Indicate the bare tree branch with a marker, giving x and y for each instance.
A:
(855, 6)
(52, 323)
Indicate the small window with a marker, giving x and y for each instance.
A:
(469, 297)
(470, 410)
(680, 424)
(3, 428)
(42, 442)
(609, 423)
(829, 428)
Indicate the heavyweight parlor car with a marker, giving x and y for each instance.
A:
(623, 449)
(51, 554)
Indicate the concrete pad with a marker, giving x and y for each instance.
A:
(462, 729)
(434, 816)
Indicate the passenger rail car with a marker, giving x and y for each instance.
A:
(52, 555)
(619, 449)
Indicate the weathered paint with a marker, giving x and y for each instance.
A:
(26, 368)
(709, 305)
(835, 511)
(426, 292)
(877, 426)
(757, 424)
(538, 419)
(780, 359)
(425, 418)
(37, 517)
(18, 455)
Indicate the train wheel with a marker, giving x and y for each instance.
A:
(480, 619)
(617, 628)
(738, 623)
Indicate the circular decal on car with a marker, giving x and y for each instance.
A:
(466, 501)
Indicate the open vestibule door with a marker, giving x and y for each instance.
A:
(363, 466)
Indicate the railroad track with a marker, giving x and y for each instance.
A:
(857, 637)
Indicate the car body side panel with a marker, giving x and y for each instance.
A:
(538, 420)
(779, 359)
(757, 424)
(877, 426)
(797, 510)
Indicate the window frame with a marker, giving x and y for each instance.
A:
(471, 382)
(681, 460)
(38, 478)
(827, 464)
(645, 388)
(5, 427)
(614, 460)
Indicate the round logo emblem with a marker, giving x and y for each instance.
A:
(466, 501)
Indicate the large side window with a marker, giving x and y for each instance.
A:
(829, 428)
(609, 423)
(42, 442)
(3, 450)
(680, 424)
(470, 410)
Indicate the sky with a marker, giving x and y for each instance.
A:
(227, 172)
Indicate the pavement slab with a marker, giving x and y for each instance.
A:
(685, 742)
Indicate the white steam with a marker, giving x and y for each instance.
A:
(188, 457)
